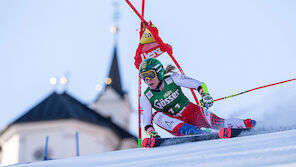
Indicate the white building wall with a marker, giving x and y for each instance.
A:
(33, 142)
(28, 140)
(10, 150)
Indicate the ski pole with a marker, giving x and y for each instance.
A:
(254, 89)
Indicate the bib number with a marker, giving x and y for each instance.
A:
(177, 106)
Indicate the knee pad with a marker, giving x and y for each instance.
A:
(166, 122)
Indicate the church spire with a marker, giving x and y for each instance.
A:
(114, 79)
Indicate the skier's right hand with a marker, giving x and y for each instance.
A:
(154, 134)
(151, 131)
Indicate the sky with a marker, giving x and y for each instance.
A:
(230, 45)
(271, 149)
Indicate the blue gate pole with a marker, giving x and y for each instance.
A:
(77, 144)
(45, 149)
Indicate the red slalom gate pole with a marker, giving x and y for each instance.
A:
(160, 42)
(135, 10)
(143, 7)
(139, 87)
(139, 113)
(222, 98)
(182, 72)
(149, 27)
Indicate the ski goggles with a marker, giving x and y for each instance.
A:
(148, 75)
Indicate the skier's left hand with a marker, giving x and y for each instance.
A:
(206, 100)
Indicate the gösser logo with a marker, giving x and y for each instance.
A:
(163, 102)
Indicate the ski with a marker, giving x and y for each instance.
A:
(156, 142)
(223, 133)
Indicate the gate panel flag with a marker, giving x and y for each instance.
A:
(148, 47)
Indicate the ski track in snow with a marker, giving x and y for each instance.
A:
(269, 149)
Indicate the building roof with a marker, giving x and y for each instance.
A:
(114, 75)
(63, 106)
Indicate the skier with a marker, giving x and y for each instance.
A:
(174, 112)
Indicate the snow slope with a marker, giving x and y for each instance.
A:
(269, 149)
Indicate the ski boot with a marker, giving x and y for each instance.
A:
(249, 123)
(187, 129)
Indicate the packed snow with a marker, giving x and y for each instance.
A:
(267, 149)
